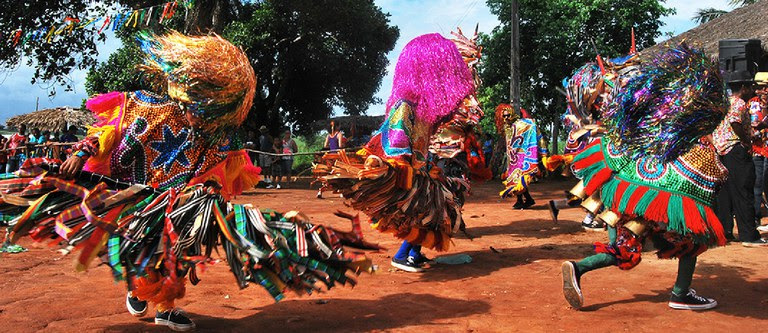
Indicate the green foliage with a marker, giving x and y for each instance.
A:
(307, 143)
(311, 56)
(554, 40)
(118, 73)
(55, 59)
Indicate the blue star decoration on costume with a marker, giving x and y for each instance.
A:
(171, 149)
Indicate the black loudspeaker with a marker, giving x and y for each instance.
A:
(740, 59)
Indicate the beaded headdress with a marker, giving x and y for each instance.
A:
(206, 74)
(470, 51)
(431, 74)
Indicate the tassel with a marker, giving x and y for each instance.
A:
(715, 225)
(675, 215)
(657, 210)
(634, 200)
(626, 197)
(597, 180)
(608, 193)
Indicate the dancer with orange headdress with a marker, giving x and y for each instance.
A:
(525, 147)
(152, 181)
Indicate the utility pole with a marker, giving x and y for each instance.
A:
(37, 103)
(514, 63)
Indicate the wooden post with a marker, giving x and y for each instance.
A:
(514, 63)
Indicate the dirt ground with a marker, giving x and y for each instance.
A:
(512, 284)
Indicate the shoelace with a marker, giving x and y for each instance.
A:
(692, 293)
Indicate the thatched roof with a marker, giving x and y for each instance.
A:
(363, 125)
(742, 23)
(57, 119)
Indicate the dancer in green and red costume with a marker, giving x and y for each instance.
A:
(397, 187)
(654, 177)
(159, 169)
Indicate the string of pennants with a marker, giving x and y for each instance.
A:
(112, 21)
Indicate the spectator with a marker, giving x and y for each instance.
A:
(733, 144)
(3, 153)
(757, 113)
(15, 155)
(289, 147)
(276, 166)
(488, 149)
(335, 138)
(70, 135)
(265, 161)
(36, 138)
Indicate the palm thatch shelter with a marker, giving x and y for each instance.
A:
(747, 22)
(56, 119)
(351, 125)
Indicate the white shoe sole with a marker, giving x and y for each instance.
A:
(593, 229)
(571, 289)
(406, 268)
(134, 312)
(748, 244)
(174, 326)
(681, 306)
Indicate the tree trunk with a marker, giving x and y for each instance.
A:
(208, 16)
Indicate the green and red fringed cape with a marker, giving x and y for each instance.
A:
(677, 194)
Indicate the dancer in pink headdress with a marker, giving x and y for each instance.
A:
(404, 194)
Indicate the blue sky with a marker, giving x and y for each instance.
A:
(414, 17)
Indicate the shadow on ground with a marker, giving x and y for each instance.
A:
(338, 315)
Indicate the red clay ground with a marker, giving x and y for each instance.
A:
(515, 288)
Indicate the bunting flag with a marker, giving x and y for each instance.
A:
(114, 21)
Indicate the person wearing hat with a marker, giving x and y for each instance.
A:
(758, 116)
(265, 161)
(733, 143)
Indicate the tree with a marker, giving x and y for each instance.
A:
(555, 39)
(311, 56)
(25, 25)
(705, 15)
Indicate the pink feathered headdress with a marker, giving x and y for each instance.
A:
(432, 74)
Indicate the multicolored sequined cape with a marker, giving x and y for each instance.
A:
(522, 155)
(158, 208)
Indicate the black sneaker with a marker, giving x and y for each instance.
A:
(691, 301)
(571, 285)
(553, 210)
(423, 260)
(175, 319)
(136, 307)
(528, 204)
(592, 225)
(408, 265)
(518, 204)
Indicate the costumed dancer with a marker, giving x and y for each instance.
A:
(396, 186)
(525, 147)
(159, 168)
(589, 91)
(652, 174)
